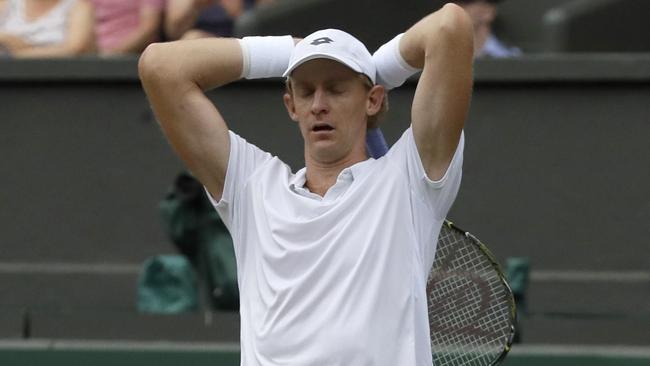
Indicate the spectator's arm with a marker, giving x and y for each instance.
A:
(442, 45)
(234, 8)
(174, 76)
(12, 43)
(147, 31)
(180, 16)
(79, 36)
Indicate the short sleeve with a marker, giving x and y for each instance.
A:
(243, 160)
(438, 195)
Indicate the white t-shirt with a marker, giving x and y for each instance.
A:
(48, 29)
(338, 280)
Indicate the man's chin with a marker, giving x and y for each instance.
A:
(323, 147)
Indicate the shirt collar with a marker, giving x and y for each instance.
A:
(297, 182)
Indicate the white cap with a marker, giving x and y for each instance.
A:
(335, 45)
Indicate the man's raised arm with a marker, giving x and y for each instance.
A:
(175, 76)
(441, 45)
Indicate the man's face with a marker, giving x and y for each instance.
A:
(331, 103)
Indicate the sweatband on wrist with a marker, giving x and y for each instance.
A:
(392, 69)
(265, 57)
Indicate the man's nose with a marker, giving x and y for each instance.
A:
(319, 103)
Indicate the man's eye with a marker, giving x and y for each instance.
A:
(305, 92)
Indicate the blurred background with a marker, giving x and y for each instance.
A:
(556, 177)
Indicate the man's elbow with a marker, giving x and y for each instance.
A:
(449, 28)
(454, 15)
(152, 65)
(455, 24)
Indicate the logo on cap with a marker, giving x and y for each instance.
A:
(321, 40)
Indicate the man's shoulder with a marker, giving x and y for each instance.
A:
(251, 162)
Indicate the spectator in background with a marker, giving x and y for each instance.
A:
(127, 26)
(45, 28)
(483, 13)
(192, 19)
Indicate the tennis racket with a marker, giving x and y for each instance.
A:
(471, 307)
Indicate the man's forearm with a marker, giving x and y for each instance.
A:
(433, 33)
(405, 54)
(206, 63)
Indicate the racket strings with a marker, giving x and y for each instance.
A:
(470, 317)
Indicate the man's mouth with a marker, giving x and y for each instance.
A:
(320, 127)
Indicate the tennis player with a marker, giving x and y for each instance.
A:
(332, 260)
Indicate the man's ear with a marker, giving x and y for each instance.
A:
(376, 96)
(291, 107)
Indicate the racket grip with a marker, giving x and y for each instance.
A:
(375, 143)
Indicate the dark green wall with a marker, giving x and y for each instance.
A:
(555, 156)
(556, 169)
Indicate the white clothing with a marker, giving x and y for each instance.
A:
(49, 29)
(338, 280)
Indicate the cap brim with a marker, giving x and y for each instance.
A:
(347, 62)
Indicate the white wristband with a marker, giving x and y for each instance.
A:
(392, 69)
(265, 57)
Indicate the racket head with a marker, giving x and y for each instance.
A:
(472, 312)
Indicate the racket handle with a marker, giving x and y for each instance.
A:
(375, 143)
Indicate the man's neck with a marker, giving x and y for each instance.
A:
(320, 177)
